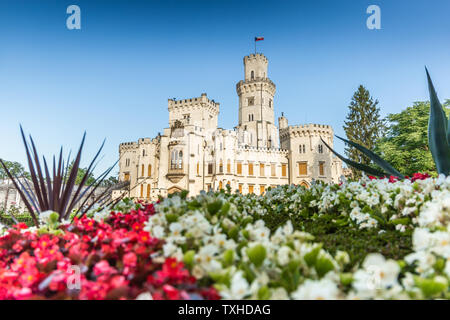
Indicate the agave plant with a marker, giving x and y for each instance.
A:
(438, 142)
(56, 191)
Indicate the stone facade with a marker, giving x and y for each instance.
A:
(194, 154)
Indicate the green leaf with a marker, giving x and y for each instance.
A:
(323, 266)
(215, 206)
(375, 158)
(228, 257)
(430, 287)
(264, 293)
(257, 254)
(437, 132)
(356, 165)
(311, 257)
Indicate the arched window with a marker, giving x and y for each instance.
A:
(180, 160)
(173, 159)
(149, 173)
(252, 75)
(228, 166)
(220, 166)
(176, 159)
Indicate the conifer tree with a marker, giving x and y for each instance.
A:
(363, 125)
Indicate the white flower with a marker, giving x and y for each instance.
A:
(279, 294)
(239, 288)
(324, 289)
(158, 232)
(378, 274)
(100, 216)
(283, 255)
(44, 216)
(144, 296)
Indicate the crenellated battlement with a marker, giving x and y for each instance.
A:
(256, 57)
(321, 130)
(255, 85)
(203, 100)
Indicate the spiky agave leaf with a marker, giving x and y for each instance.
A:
(375, 158)
(57, 191)
(359, 166)
(437, 132)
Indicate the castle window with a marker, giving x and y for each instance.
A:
(272, 170)
(148, 191)
(250, 189)
(261, 169)
(321, 168)
(270, 103)
(239, 168)
(210, 168)
(240, 187)
(142, 170)
(198, 168)
(303, 168)
(301, 148)
(262, 189)
(142, 190)
(126, 176)
(304, 149)
(176, 161)
(251, 101)
(283, 170)
(143, 152)
(220, 185)
(228, 166)
(149, 170)
(320, 148)
(208, 186)
(127, 162)
(250, 169)
(220, 166)
(252, 75)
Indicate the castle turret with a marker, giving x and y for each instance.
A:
(256, 106)
(282, 121)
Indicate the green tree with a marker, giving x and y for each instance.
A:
(109, 182)
(363, 125)
(15, 168)
(405, 144)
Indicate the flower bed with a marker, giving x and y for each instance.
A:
(291, 243)
(88, 259)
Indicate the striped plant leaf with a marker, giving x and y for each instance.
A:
(437, 132)
(359, 166)
(375, 158)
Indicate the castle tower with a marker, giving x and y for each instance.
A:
(256, 106)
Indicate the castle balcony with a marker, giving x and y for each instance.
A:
(175, 174)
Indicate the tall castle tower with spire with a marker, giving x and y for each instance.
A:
(256, 104)
(194, 154)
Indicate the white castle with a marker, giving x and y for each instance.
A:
(194, 154)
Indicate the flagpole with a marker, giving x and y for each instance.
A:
(255, 45)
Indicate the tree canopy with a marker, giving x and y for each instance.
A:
(14, 167)
(405, 144)
(363, 125)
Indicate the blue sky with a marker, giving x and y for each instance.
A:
(113, 77)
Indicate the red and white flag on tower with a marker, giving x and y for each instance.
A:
(258, 39)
